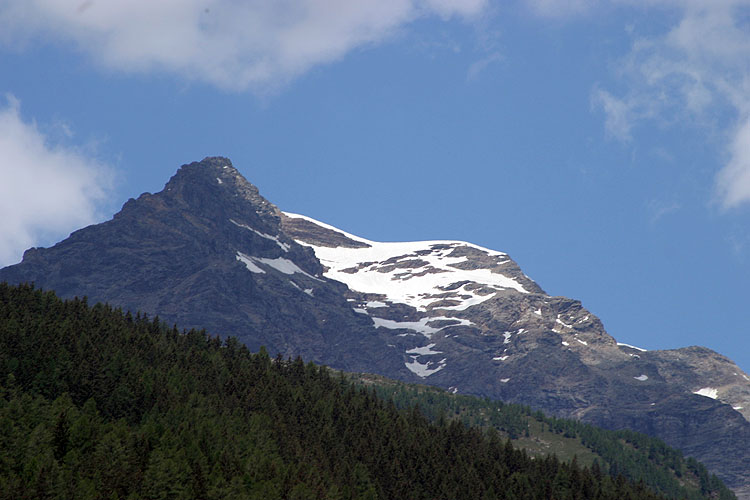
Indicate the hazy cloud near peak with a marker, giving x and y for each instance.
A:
(46, 190)
(255, 44)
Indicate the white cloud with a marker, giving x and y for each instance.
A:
(45, 190)
(561, 8)
(733, 182)
(478, 67)
(661, 208)
(619, 114)
(235, 45)
(697, 71)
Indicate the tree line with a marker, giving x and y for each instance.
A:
(636, 456)
(99, 403)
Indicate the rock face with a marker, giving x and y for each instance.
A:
(210, 252)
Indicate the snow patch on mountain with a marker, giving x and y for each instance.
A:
(420, 326)
(562, 323)
(424, 350)
(622, 344)
(248, 261)
(281, 264)
(422, 274)
(284, 246)
(708, 392)
(423, 370)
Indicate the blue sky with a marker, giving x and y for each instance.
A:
(605, 145)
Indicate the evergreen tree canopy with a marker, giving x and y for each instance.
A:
(96, 403)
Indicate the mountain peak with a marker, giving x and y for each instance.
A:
(210, 170)
(213, 189)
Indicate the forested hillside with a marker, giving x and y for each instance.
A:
(636, 456)
(96, 403)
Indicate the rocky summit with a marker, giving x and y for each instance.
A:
(210, 252)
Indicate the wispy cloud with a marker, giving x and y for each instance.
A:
(661, 208)
(733, 181)
(619, 114)
(253, 44)
(47, 190)
(738, 240)
(477, 67)
(696, 71)
(561, 8)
